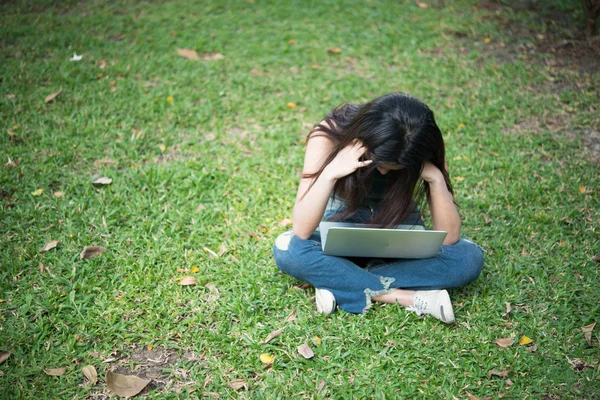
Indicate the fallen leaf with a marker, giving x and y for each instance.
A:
(459, 178)
(125, 385)
(291, 105)
(189, 54)
(195, 270)
(200, 207)
(488, 220)
(222, 249)
(420, 4)
(55, 371)
(525, 341)
(162, 147)
(578, 364)
(291, 317)
(460, 126)
(90, 373)
(150, 347)
(317, 340)
(596, 258)
(285, 222)
(212, 56)
(49, 246)
(188, 281)
(305, 351)
(502, 374)
(11, 96)
(471, 396)
(524, 252)
(102, 181)
(238, 384)
(587, 332)
(321, 386)
(256, 72)
(182, 270)
(334, 50)
(52, 96)
(533, 348)
(212, 253)
(252, 234)
(37, 192)
(508, 309)
(504, 342)
(91, 251)
(487, 40)
(273, 335)
(102, 64)
(581, 189)
(170, 99)
(11, 164)
(76, 57)
(4, 356)
(292, 41)
(59, 194)
(508, 382)
(266, 359)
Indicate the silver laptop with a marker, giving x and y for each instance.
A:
(362, 240)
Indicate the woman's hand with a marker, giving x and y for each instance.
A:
(431, 174)
(347, 161)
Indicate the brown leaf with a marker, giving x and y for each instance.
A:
(596, 258)
(90, 373)
(334, 50)
(238, 384)
(189, 54)
(321, 386)
(502, 374)
(102, 64)
(125, 385)
(504, 342)
(11, 164)
(508, 309)
(55, 371)
(222, 249)
(291, 317)
(285, 222)
(52, 96)
(533, 348)
(4, 356)
(471, 396)
(273, 335)
(508, 382)
(188, 281)
(91, 251)
(587, 332)
(59, 194)
(102, 181)
(252, 234)
(213, 56)
(256, 72)
(578, 364)
(49, 246)
(420, 4)
(200, 208)
(524, 252)
(305, 351)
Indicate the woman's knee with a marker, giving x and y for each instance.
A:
(468, 259)
(289, 251)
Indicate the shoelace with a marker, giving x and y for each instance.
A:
(418, 307)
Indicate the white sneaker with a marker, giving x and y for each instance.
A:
(435, 303)
(325, 301)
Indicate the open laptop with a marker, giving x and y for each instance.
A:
(361, 240)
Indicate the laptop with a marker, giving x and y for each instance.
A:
(362, 240)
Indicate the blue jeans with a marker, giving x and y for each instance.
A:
(353, 282)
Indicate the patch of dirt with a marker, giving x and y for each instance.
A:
(560, 39)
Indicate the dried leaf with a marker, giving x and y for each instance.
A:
(285, 222)
(305, 351)
(273, 335)
(420, 4)
(222, 249)
(533, 348)
(102, 64)
(37, 192)
(581, 189)
(256, 72)
(504, 342)
(266, 359)
(162, 147)
(200, 208)
(291, 317)
(471, 396)
(321, 386)
(459, 178)
(188, 281)
(11, 164)
(317, 340)
(502, 374)
(578, 364)
(49, 246)
(170, 99)
(508, 382)
(59, 194)
(55, 371)
(587, 332)
(125, 385)
(52, 96)
(195, 270)
(4, 356)
(189, 54)
(213, 56)
(291, 105)
(487, 40)
(525, 341)
(334, 50)
(102, 181)
(212, 253)
(91, 251)
(90, 373)
(508, 309)
(238, 384)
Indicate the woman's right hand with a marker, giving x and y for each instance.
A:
(347, 161)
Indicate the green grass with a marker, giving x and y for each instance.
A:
(527, 190)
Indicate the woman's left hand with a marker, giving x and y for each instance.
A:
(431, 173)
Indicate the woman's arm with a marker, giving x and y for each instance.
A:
(444, 215)
(310, 206)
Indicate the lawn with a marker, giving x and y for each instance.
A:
(203, 157)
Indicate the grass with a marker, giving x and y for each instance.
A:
(204, 157)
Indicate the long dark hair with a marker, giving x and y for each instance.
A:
(395, 128)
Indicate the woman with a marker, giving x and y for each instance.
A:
(373, 163)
